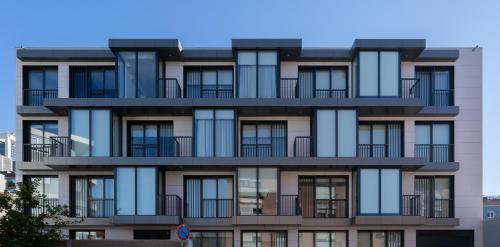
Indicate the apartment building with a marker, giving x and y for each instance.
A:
(7, 162)
(264, 143)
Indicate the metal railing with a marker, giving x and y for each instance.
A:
(43, 206)
(101, 207)
(57, 146)
(62, 146)
(411, 205)
(434, 152)
(289, 205)
(330, 93)
(264, 147)
(331, 208)
(104, 93)
(217, 208)
(169, 88)
(443, 208)
(34, 97)
(372, 150)
(169, 205)
(209, 91)
(288, 88)
(302, 146)
(410, 88)
(175, 146)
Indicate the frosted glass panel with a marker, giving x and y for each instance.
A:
(101, 132)
(125, 191)
(389, 73)
(326, 136)
(368, 73)
(247, 58)
(268, 58)
(422, 134)
(347, 133)
(146, 188)
(441, 134)
(390, 184)
(369, 194)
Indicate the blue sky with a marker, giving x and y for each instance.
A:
(89, 23)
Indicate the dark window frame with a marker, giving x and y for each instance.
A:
(202, 69)
(277, 68)
(72, 233)
(26, 79)
(263, 122)
(385, 123)
(144, 123)
(358, 191)
(432, 70)
(264, 231)
(159, 63)
(278, 190)
(201, 178)
(324, 231)
(217, 234)
(330, 177)
(314, 69)
(235, 129)
(42, 178)
(72, 193)
(88, 70)
(314, 130)
(401, 232)
(451, 180)
(111, 131)
(451, 125)
(158, 187)
(141, 233)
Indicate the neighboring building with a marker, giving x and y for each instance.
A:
(264, 143)
(491, 216)
(7, 161)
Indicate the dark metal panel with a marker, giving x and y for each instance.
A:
(65, 54)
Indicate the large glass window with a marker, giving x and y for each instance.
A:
(38, 137)
(434, 141)
(90, 132)
(211, 238)
(435, 85)
(257, 239)
(322, 239)
(92, 196)
(257, 74)
(380, 239)
(48, 186)
(151, 139)
(323, 196)
(39, 83)
(322, 82)
(258, 191)
(207, 82)
(209, 197)
(379, 191)
(92, 82)
(214, 133)
(264, 139)
(137, 74)
(336, 133)
(378, 74)
(435, 196)
(380, 139)
(139, 197)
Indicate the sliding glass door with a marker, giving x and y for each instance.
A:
(264, 139)
(214, 133)
(257, 74)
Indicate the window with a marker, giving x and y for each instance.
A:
(491, 215)
(138, 74)
(38, 138)
(214, 133)
(322, 239)
(91, 132)
(2, 148)
(258, 191)
(257, 74)
(336, 133)
(209, 197)
(151, 139)
(379, 74)
(436, 85)
(208, 82)
(322, 82)
(255, 239)
(323, 197)
(264, 139)
(92, 82)
(434, 141)
(92, 196)
(379, 191)
(151, 234)
(435, 196)
(380, 139)
(49, 187)
(137, 198)
(380, 238)
(87, 234)
(39, 83)
(211, 238)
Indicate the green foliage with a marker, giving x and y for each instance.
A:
(19, 227)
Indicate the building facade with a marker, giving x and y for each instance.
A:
(264, 143)
(491, 214)
(7, 161)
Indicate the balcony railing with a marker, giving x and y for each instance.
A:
(411, 205)
(101, 207)
(169, 88)
(324, 208)
(34, 97)
(209, 91)
(263, 147)
(217, 208)
(176, 146)
(372, 150)
(330, 93)
(288, 88)
(302, 146)
(410, 88)
(43, 206)
(169, 205)
(57, 146)
(434, 152)
(443, 208)
(289, 205)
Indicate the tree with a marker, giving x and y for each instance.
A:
(26, 219)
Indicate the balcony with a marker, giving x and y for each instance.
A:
(176, 146)
(435, 153)
(169, 88)
(325, 208)
(209, 91)
(264, 147)
(168, 212)
(57, 146)
(43, 206)
(35, 97)
(100, 208)
(287, 213)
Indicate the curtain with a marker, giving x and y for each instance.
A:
(204, 137)
(79, 197)
(278, 142)
(167, 143)
(306, 84)
(193, 198)
(247, 81)
(267, 81)
(224, 138)
(424, 75)
(79, 80)
(193, 84)
(394, 139)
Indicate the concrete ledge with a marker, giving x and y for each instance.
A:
(326, 221)
(208, 221)
(37, 166)
(389, 220)
(267, 220)
(442, 221)
(439, 111)
(26, 111)
(145, 220)
(440, 167)
(93, 221)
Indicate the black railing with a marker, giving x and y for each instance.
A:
(289, 205)
(443, 208)
(302, 146)
(263, 147)
(104, 93)
(330, 93)
(372, 150)
(169, 205)
(101, 207)
(330, 208)
(61, 145)
(410, 88)
(217, 208)
(288, 88)
(209, 91)
(411, 205)
(34, 97)
(174, 146)
(169, 88)
(56, 146)
(44, 205)
(434, 152)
